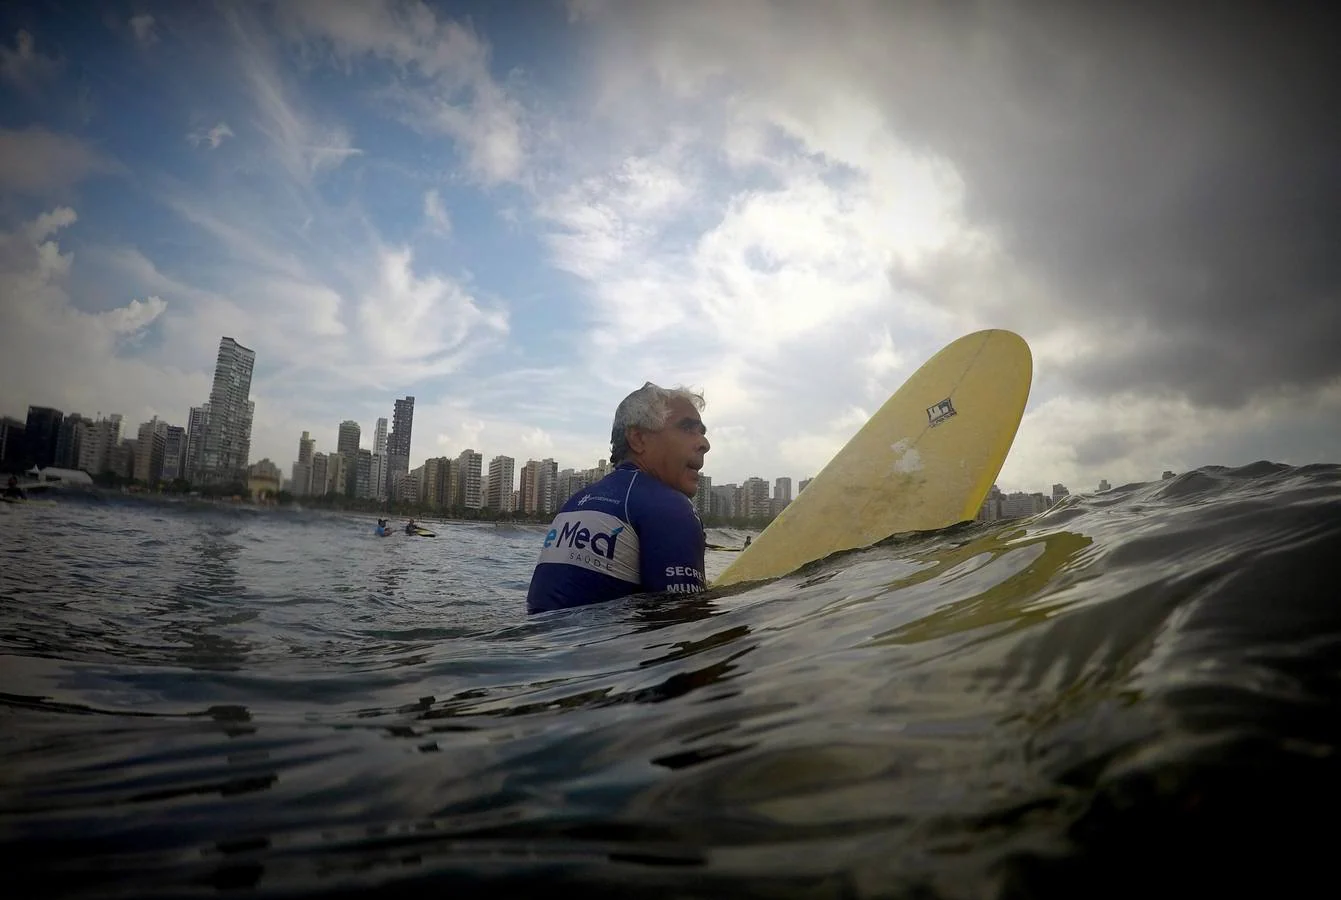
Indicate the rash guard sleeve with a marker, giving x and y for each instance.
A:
(671, 537)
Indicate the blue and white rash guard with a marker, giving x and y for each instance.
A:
(627, 533)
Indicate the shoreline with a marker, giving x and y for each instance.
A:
(73, 494)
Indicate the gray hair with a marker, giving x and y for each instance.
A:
(648, 407)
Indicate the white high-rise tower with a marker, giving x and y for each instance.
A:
(227, 445)
(379, 470)
(398, 445)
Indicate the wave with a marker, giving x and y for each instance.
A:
(1135, 690)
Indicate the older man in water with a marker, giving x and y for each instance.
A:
(635, 530)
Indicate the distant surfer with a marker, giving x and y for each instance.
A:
(12, 488)
(410, 527)
(747, 541)
(381, 530)
(635, 530)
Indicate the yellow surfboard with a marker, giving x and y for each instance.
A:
(925, 460)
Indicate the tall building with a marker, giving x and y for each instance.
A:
(319, 479)
(568, 482)
(302, 467)
(703, 499)
(431, 487)
(407, 486)
(306, 445)
(121, 459)
(538, 483)
(468, 493)
(528, 488)
(782, 494)
(227, 444)
(244, 446)
(398, 445)
(363, 488)
(756, 501)
(802, 486)
(992, 506)
(97, 454)
(1020, 504)
(724, 500)
(450, 483)
(347, 439)
(379, 473)
(498, 497)
(195, 440)
(12, 442)
(337, 474)
(174, 454)
(41, 435)
(150, 444)
(70, 441)
(548, 483)
(347, 448)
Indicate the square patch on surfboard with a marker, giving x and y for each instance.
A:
(940, 412)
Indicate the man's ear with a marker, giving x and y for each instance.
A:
(636, 439)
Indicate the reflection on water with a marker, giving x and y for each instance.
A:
(1134, 681)
(1004, 576)
(205, 604)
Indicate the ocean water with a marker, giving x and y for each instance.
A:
(1136, 692)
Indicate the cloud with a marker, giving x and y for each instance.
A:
(766, 284)
(40, 163)
(1118, 161)
(489, 128)
(420, 319)
(786, 205)
(70, 357)
(24, 67)
(445, 85)
(303, 146)
(436, 214)
(1099, 180)
(244, 242)
(49, 223)
(143, 28)
(1135, 436)
(213, 136)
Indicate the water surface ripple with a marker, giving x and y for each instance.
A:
(1135, 691)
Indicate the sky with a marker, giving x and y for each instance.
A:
(519, 212)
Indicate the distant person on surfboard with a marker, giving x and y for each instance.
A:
(635, 530)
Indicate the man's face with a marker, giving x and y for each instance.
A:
(674, 453)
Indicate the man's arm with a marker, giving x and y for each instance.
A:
(671, 544)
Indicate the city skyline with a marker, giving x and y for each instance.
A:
(213, 448)
(516, 216)
(309, 445)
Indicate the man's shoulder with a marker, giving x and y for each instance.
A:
(606, 495)
(631, 491)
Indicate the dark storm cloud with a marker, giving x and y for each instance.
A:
(1168, 172)
(1175, 167)
(1107, 447)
